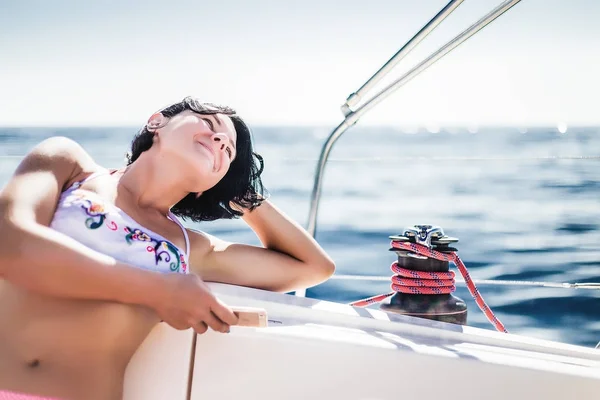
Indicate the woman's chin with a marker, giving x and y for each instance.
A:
(204, 178)
(204, 168)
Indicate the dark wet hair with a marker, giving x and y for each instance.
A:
(241, 185)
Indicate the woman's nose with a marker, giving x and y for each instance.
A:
(219, 141)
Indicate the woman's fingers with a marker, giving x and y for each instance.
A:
(215, 323)
(200, 328)
(190, 300)
(223, 312)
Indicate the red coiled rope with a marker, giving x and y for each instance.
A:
(418, 282)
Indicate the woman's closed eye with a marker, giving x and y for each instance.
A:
(229, 152)
(209, 123)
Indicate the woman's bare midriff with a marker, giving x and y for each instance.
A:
(67, 349)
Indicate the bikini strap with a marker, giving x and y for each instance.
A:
(185, 233)
(91, 176)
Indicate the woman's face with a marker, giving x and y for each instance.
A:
(203, 145)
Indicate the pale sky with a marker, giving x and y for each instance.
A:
(278, 62)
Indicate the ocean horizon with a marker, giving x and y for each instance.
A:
(524, 205)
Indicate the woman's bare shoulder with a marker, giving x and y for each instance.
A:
(200, 242)
(63, 152)
(202, 245)
(33, 189)
(62, 149)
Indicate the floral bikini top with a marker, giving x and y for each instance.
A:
(104, 227)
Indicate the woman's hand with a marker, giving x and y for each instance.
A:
(236, 207)
(187, 302)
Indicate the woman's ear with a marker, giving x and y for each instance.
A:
(156, 121)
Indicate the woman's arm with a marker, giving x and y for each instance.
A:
(291, 259)
(40, 259)
(45, 261)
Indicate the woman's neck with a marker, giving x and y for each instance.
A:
(149, 186)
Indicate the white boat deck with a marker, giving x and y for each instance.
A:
(323, 350)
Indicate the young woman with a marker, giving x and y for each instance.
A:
(92, 259)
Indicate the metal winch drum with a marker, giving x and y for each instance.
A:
(440, 307)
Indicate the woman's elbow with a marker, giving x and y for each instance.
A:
(328, 269)
(323, 270)
(309, 275)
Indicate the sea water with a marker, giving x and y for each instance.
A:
(525, 206)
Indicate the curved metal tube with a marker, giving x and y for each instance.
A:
(316, 193)
(355, 97)
(353, 116)
(441, 52)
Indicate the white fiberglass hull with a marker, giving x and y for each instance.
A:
(316, 349)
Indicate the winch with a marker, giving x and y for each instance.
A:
(423, 286)
(423, 283)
